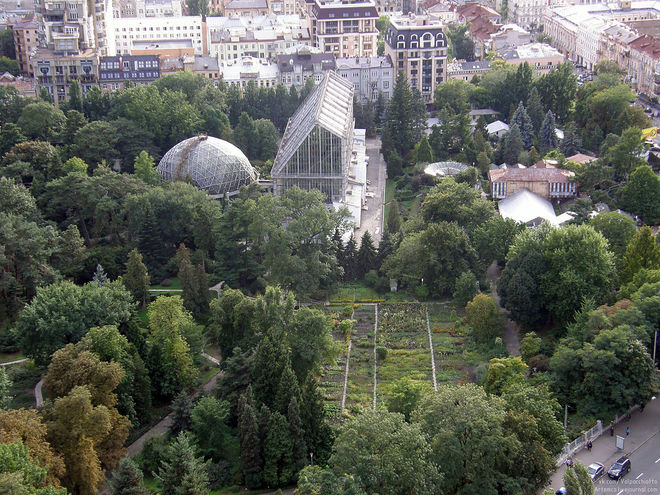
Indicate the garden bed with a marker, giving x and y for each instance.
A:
(359, 391)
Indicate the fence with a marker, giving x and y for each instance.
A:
(592, 434)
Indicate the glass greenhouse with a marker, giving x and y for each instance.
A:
(444, 169)
(315, 150)
(213, 165)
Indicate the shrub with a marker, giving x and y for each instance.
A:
(371, 279)
(422, 292)
(166, 283)
(381, 353)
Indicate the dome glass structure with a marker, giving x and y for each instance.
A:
(213, 165)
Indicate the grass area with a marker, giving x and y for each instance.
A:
(8, 357)
(362, 293)
(24, 377)
(174, 285)
(152, 484)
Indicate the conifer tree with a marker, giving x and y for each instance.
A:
(288, 389)
(642, 252)
(547, 137)
(524, 123)
(423, 152)
(572, 141)
(144, 168)
(267, 371)
(182, 472)
(150, 245)
(350, 259)
(534, 109)
(248, 436)
(297, 436)
(513, 145)
(278, 452)
(596, 138)
(193, 283)
(181, 413)
(75, 96)
(127, 479)
(367, 257)
(317, 432)
(136, 278)
(99, 276)
(384, 248)
(393, 224)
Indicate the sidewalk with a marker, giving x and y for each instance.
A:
(642, 427)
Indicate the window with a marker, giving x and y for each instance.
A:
(386, 84)
(427, 40)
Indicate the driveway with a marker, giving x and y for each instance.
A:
(372, 218)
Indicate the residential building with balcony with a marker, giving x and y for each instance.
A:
(345, 28)
(115, 71)
(370, 76)
(261, 37)
(55, 71)
(26, 40)
(645, 64)
(417, 46)
(241, 71)
(467, 70)
(298, 64)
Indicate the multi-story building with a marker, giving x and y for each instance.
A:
(345, 28)
(246, 7)
(467, 70)
(154, 30)
(297, 65)
(164, 48)
(115, 71)
(72, 26)
(26, 41)
(540, 56)
(147, 8)
(509, 36)
(645, 64)
(528, 13)
(370, 76)
(549, 183)
(55, 71)
(417, 47)
(241, 71)
(260, 37)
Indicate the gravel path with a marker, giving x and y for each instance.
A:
(18, 361)
(510, 331)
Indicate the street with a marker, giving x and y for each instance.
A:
(372, 218)
(644, 475)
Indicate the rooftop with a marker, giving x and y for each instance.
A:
(247, 4)
(364, 62)
(531, 51)
(412, 21)
(337, 9)
(581, 158)
(248, 68)
(306, 59)
(524, 206)
(162, 44)
(531, 174)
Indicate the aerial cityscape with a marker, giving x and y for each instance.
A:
(329, 247)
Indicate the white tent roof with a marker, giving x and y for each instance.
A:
(524, 206)
(496, 126)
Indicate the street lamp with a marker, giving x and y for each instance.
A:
(311, 457)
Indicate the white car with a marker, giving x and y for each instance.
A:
(596, 470)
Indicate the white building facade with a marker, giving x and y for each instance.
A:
(151, 29)
(369, 76)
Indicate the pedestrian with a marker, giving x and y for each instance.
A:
(589, 445)
(611, 430)
(641, 408)
(569, 462)
(627, 431)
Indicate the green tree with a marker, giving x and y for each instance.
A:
(618, 229)
(212, 435)
(454, 93)
(493, 238)
(366, 255)
(642, 252)
(10, 135)
(145, 168)
(193, 283)
(627, 154)
(127, 479)
(75, 96)
(318, 434)
(393, 223)
(385, 455)
(5, 386)
(182, 407)
(19, 474)
(7, 48)
(297, 434)
(96, 142)
(467, 287)
(136, 278)
(572, 142)
(246, 137)
(41, 121)
(404, 396)
(513, 145)
(461, 46)
(578, 480)
(547, 137)
(557, 90)
(525, 125)
(75, 165)
(503, 372)
(642, 195)
(483, 315)
(64, 312)
(423, 152)
(278, 452)
(534, 108)
(182, 472)
(310, 340)
(75, 120)
(451, 201)
(530, 346)
(248, 434)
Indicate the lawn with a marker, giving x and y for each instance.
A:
(357, 291)
(174, 285)
(24, 377)
(8, 357)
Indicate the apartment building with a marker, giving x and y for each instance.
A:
(158, 31)
(297, 65)
(55, 71)
(26, 40)
(147, 8)
(345, 28)
(370, 76)
(241, 71)
(417, 45)
(116, 71)
(261, 37)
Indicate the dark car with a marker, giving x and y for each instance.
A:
(620, 467)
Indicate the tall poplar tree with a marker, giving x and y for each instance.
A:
(248, 436)
(136, 278)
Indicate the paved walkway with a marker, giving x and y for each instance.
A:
(643, 426)
(372, 218)
(18, 361)
(510, 332)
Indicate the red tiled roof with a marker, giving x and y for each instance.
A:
(531, 174)
(646, 44)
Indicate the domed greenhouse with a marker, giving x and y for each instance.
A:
(213, 165)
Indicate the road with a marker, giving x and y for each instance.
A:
(644, 475)
(372, 218)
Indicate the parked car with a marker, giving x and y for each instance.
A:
(561, 491)
(620, 467)
(596, 470)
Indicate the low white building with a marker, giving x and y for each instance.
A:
(152, 30)
(540, 56)
(369, 75)
(497, 128)
(241, 71)
(509, 36)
